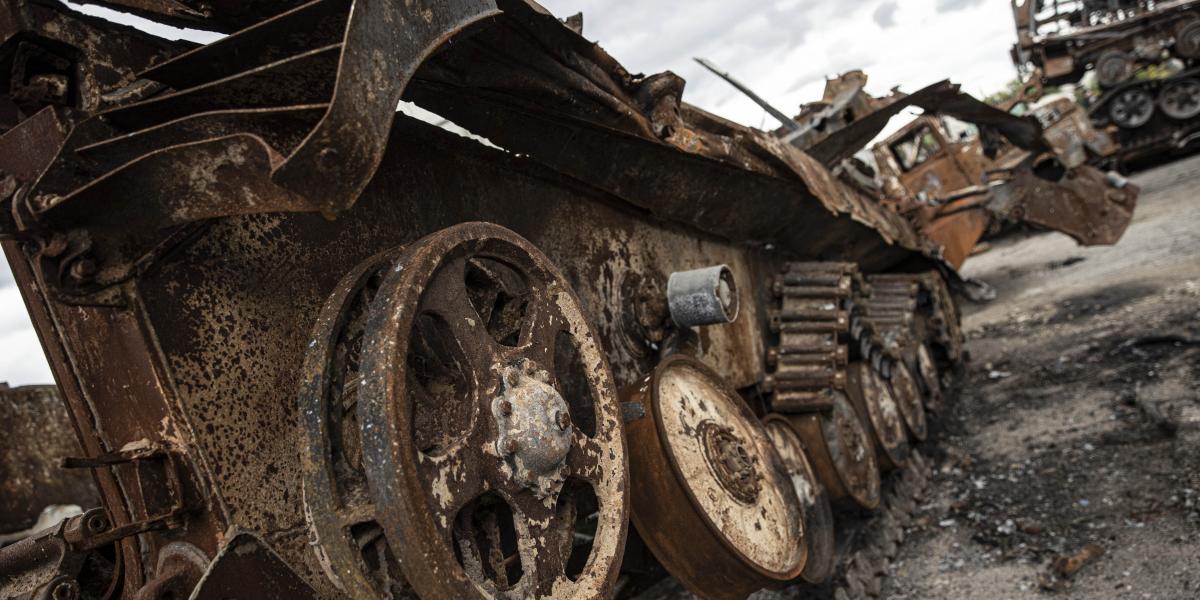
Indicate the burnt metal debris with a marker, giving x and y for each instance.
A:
(312, 347)
(1143, 56)
(964, 168)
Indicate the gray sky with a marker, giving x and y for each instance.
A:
(783, 49)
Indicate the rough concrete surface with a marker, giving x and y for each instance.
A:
(1077, 435)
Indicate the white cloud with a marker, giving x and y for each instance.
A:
(784, 49)
(21, 358)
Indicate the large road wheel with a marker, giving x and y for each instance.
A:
(908, 398)
(872, 399)
(1187, 39)
(931, 378)
(711, 496)
(1113, 68)
(819, 528)
(1131, 108)
(841, 452)
(1180, 100)
(491, 434)
(348, 539)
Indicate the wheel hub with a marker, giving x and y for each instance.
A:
(534, 425)
(735, 468)
(1132, 109)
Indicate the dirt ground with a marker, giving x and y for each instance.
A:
(1078, 430)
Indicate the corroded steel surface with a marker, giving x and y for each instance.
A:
(909, 399)
(841, 452)
(702, 464)
(443, 355)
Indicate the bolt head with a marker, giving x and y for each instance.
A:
(97, 524)
(510, 446)
(506, 407)
(563, 418)
(65, 590)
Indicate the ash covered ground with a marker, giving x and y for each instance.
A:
(1070, 464)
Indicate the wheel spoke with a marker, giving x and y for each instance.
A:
(586, 458)
(453, 479)
(446, 297)
(549, 542)
(539, 333)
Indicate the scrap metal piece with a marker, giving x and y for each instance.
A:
(711, 496)
(57, 563)
(705, 296)
(467, 512)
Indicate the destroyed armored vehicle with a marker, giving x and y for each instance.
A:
(965, 168)
(1149, 108)
(311, 347)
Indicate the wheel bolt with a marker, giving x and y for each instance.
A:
(65, 590)
(563, 418)
(506, 407)
(510, 446)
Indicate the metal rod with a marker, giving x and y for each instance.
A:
(787, 121)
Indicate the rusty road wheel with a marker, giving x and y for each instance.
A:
(1180, 100)
(1131, 108)
(711, 496)
(818, 515)
(877, 408)
(931, 379)
(908, 398)
(491, 433)
(348, 541)
(841, 452)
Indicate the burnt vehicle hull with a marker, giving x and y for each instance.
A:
(312, 347)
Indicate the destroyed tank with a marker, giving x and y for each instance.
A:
(312, 347)
(1148, 111)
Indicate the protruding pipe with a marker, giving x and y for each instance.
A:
(705, 296)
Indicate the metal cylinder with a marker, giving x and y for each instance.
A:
(705, 296)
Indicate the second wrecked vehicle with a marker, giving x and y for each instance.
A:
(965, 168)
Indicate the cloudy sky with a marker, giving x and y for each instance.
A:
(783, 49)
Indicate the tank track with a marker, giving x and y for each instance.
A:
(813, 319)
(873, 547)
(889, 316)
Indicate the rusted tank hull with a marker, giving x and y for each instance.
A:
(177, 245)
